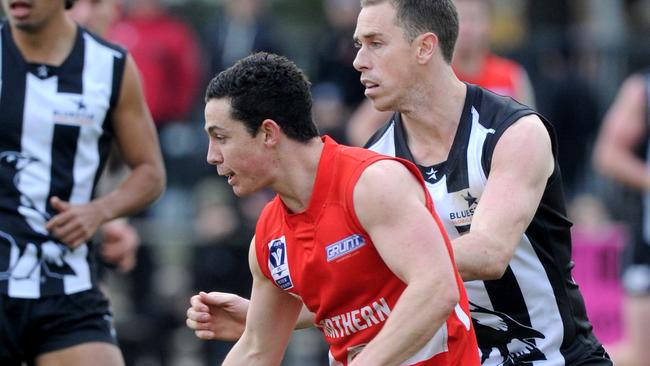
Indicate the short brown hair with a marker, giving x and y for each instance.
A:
(421, 16)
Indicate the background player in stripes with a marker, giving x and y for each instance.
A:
(65, 94)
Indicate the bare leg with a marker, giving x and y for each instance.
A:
(92, 353)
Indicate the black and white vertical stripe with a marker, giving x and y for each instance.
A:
(536, 295)
(58, 120)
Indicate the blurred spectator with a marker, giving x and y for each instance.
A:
(220, 257)
(96, 15)
(621, 153)
(329, 111)
(566, 97)
(336, 51)
(167, 54)
(473, 62)
(240, 29)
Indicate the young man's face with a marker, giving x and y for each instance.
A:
(236, 154)
(31, 15)
(96, 15)
(384, 58)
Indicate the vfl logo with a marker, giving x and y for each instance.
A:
(278, 263)
(343, 247)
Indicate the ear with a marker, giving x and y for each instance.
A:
(270, 131)
(426, 47)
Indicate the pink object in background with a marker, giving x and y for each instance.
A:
(596, 254)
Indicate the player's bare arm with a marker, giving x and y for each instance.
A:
(624, 129)
(138, 142)
(390, 205)
(522, 162)
(271, 317)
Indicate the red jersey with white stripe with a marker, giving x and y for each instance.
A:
(324, 256)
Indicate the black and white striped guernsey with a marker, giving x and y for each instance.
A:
(55, 133)
(534, 314)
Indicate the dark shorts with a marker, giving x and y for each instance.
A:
(636, 268)
(586, 351)
(30, 327)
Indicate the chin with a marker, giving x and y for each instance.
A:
(381, 106)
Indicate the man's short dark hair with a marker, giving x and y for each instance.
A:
(421, 16)
(267, 86)
(69, 4)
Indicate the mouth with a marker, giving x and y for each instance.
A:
(370, 85)
(20, 9)
(229, 176)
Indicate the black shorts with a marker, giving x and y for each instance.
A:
(30, 327)
(586, 351)
(636, 268)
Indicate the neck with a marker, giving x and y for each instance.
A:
(297, 173)
(50, 43)
(432, 120)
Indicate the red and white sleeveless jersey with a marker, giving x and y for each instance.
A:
(324, 256)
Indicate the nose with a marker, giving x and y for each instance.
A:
(360, 62)
(215, 157)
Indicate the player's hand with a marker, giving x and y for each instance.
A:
(120, 244)
(217, 315)
(74, 224)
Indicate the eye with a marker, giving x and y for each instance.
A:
(375, 44)
(357, 44)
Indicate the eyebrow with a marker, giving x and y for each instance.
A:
(214, 129)
(356, 38)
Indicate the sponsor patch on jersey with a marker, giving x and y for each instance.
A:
(343, 247)
(278, 264)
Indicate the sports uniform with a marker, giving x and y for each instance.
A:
(636, 257)
(55, 133)
(324, 256)
(534, 314)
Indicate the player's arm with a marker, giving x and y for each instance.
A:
(390, 205)
(138, 141)
(622, 132)
(271, 317)
(522, 162)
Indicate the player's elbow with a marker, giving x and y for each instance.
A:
(446, 293)
(157, 181)
(605, 158)
(495, 267)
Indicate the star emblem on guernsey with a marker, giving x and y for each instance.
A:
(471, 200)
(81, 105)
(42, 71)
(432, 174)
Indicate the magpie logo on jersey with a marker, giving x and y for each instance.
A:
(278, 263)
(79, 116)
(344, 246)
(48, 254)
(462, 218)
(514, 341)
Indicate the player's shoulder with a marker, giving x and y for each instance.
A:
(114, 48)
(497, 111)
